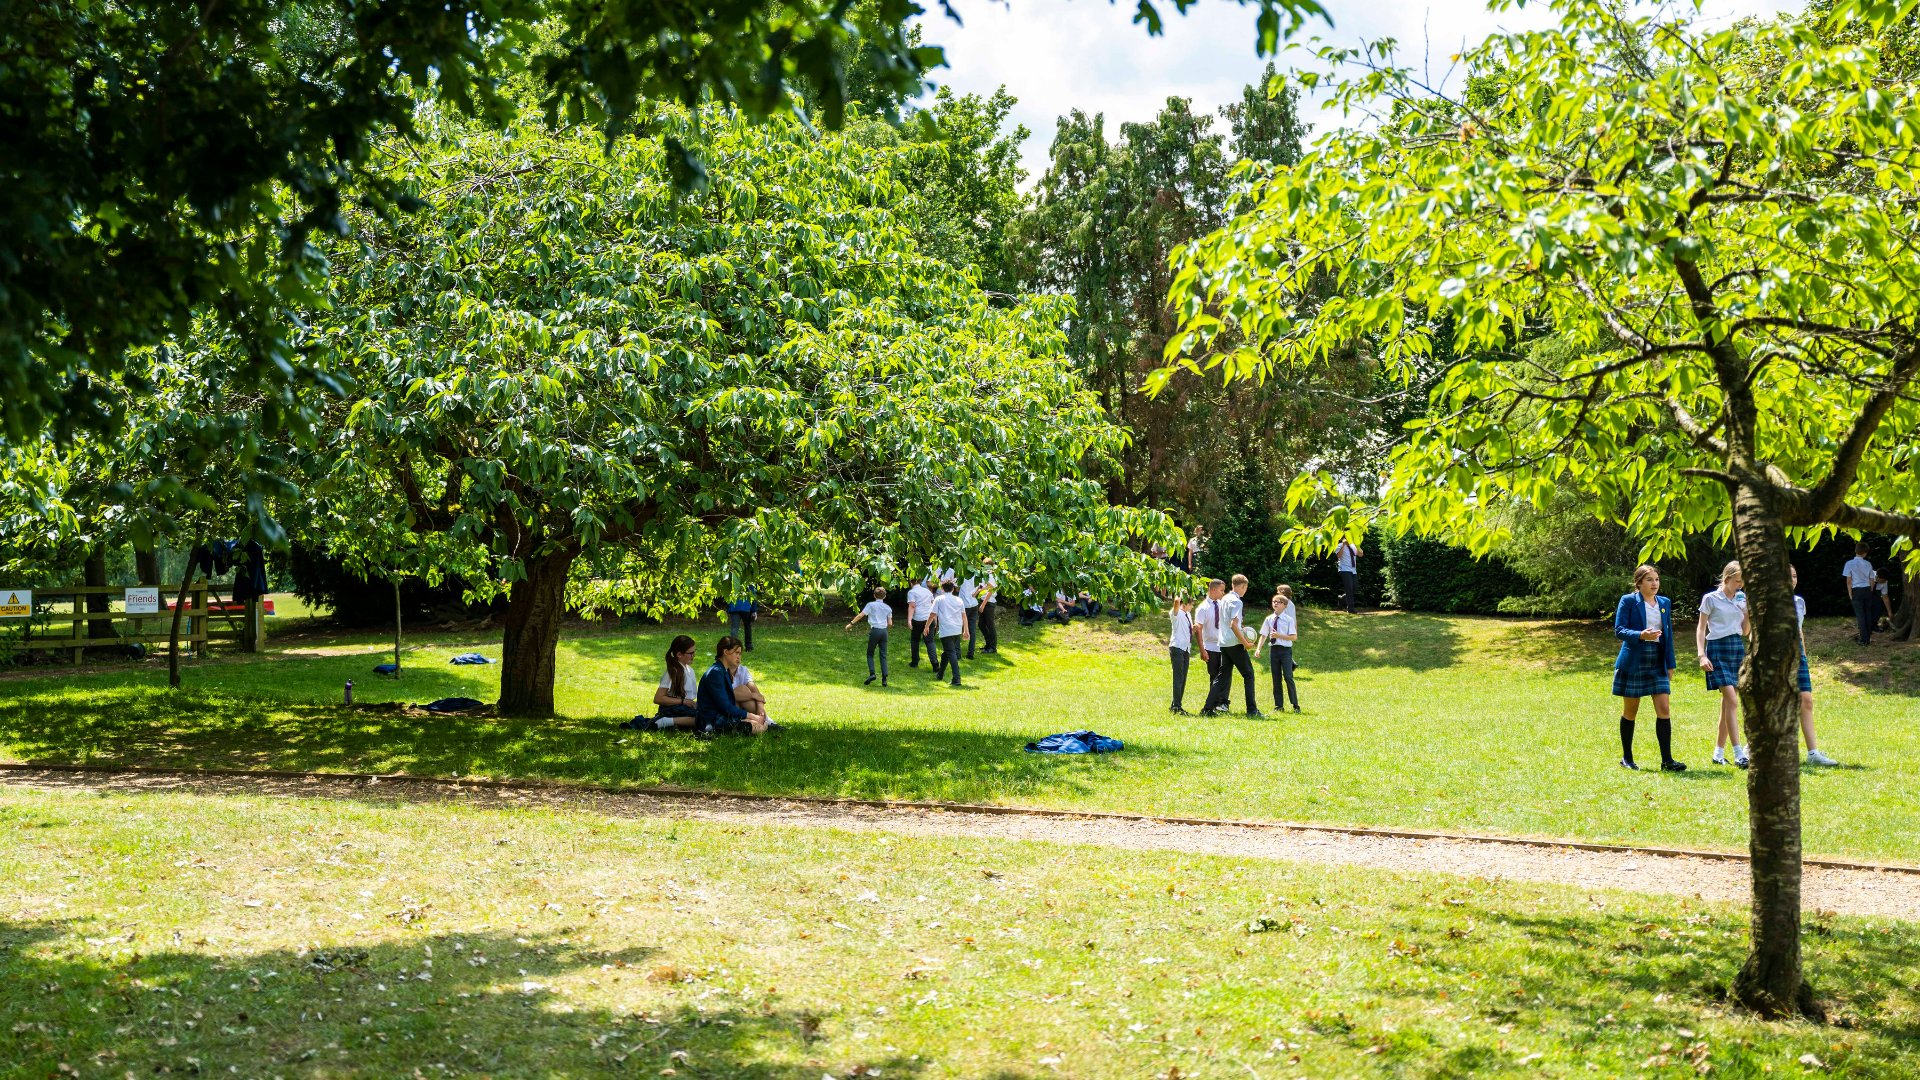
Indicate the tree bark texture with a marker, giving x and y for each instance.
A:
(1771, 982)
(95, 574)
(535, 607)
(1904, 614)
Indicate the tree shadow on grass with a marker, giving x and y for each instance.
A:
(1336, 642)
(446, 1003)
(1565, 645)
(198, 729)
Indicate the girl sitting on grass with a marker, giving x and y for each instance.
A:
(717, 713)
(678, 688)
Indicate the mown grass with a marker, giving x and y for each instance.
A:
(1412, 720)
(171, 934)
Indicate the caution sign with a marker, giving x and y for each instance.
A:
(143, 601)
(16, 604)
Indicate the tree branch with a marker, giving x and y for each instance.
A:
(1829, 495)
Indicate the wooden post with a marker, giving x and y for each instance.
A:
(79, 609)
(255, 639)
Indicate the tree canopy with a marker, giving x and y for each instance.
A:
(566, 367)
(1674, 269)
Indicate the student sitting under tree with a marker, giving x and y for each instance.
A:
(678, 689)
(717, 712)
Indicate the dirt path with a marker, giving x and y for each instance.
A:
(1846, 891)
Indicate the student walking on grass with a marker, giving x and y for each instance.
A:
(879, 616)
(1814, 756)
(1277, 634)
(1233, 653)
(919, 610)
(1643, 622)
(1180, 651)
(1720, 640)
(1859, 574)
(950, 621)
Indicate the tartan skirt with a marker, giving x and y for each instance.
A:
(1806, 677)
(1641, 675)
(1726, 654)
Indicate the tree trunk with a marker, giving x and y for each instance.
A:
(95, 573)
(1904, 613)
(534, 608)
(1771, 983)
(146, 566)
(173, 633)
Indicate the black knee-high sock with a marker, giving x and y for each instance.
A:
(1626, 739)
(1663, 730)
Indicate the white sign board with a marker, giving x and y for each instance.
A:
(143, 601)
(16, 604)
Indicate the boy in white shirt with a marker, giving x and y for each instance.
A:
(950, 620)
(1859, 574)
(1347, 562)
(1280, 630)
(969, 592)
(1180, 651)
(919, 610)
(1206, 616)
(879, 616)
(1233, 653)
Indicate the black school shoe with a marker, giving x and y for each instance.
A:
(869, 681)
(1671, 765)
(1625, 764)
(1256, 714)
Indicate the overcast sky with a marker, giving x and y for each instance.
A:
(1058, 55)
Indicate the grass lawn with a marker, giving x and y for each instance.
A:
(173, 934)
(1412, 720)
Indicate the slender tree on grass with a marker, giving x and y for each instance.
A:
(1677, 269)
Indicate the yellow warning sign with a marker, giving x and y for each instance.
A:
(16, 604)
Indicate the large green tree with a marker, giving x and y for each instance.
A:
(566, 366)
(162, 161)
(1720, 222)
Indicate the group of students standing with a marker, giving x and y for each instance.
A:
(1645, 665)
(942, 618)
(1220, 620)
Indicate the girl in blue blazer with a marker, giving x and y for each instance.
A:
(1643, 622)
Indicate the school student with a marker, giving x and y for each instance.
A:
(1206, 615)
(950, 620)
(1278, 632)
(1347, 562)
(678, 690)
(969, 593)
(1814, 755)
(1233, 651)
(747, 693)
(919, 610)
(1031, 608)
(740, 613)
(1061, 611)
(1859, 575)
(989, 602)
(1180, 651)
(1721, 642)
(1643, 621)
(1886, 600)
(1196, 540)
(879, 616)
(717, 712)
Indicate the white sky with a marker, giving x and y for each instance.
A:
(1058, 55)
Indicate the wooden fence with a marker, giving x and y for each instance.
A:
(200, 624)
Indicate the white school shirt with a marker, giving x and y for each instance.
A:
(1723, 615)
(1859, 573)
(1345, 554)
(1653, 614)
(878, 614)
(742, 677)
(1207, 616)
(1193, 545)
(968, 589)
(919, 603)
(1282, 623)
(1232, 610)
(1800, 610)
(952, 613)
(689, 684)
(991, 587)
(1182, 637)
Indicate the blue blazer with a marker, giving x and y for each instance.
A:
(1630, 618)
(715, 705)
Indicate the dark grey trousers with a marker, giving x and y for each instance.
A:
(877, 641)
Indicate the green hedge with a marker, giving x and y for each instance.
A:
(1429, 575)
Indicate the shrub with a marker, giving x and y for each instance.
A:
(1432, 575)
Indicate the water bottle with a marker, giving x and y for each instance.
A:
(349, 691)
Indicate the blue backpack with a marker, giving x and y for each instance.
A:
(1075, 742)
